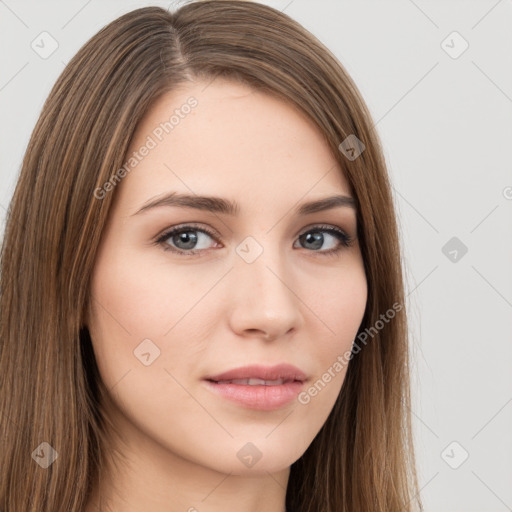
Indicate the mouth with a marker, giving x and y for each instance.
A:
(259, 387)
(254, 382)
(254, 374)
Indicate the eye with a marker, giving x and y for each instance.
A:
(185, 238)
(189, 240)
(314, 238)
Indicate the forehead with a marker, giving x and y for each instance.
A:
(224, 138)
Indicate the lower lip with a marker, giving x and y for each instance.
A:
(263, 398)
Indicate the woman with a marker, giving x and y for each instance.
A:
(201, 289)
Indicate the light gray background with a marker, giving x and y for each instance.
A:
(446, 128)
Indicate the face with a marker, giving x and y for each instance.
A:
(266, 285)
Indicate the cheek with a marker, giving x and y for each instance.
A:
(138, 296)
(135, 299)
(340, 309)
(340, 305)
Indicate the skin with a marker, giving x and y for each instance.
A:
(212, 312)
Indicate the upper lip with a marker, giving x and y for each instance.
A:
(286, 372)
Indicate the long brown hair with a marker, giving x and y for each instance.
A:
(362, 459)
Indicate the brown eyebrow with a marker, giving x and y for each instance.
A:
(220, 205)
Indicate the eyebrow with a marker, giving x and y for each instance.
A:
(220, 205)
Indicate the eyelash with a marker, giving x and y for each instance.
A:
(345, 240)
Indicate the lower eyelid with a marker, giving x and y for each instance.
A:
(176, 231)
(341, 235)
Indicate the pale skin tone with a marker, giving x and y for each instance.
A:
(213, 311)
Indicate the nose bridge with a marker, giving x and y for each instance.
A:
(262, 268)
(264, 300)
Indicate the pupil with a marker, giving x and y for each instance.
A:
(316, 238)
(185, 237)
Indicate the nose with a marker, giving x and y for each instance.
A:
(263, 301)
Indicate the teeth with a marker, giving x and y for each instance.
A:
(255, 382)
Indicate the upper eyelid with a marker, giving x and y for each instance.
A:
(191, 225)
(213, 233)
